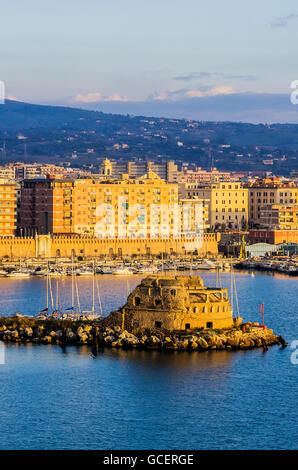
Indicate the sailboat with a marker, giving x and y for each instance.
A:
(88, 314)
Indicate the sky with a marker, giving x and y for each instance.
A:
(195, 59)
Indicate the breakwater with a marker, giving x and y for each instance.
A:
(19, 329)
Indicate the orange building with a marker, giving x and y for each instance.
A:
(45, 206)
(274, 237)
(8, 208)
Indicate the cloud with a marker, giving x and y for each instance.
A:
(283, 21)
(176, 95)
(97, 97)
(201, 75)
(248, 107)
(12, 98)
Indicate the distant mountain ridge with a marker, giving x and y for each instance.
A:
(17, 116)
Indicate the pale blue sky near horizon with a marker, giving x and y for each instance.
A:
(90, 51)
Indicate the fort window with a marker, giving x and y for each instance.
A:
(137, 301)
(158, 324)
(157, 302)
(187, 326)
(209, 324)
(173, 291)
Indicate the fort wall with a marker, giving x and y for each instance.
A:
(50, 246)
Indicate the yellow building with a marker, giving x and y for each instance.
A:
(123, 208)
(8, 208)
(227, 204)
(269, 191)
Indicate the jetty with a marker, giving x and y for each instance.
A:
(162, 312)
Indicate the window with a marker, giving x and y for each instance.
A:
(157, 302)
(187, 326)
(209, 324)
(158, 324)
(137, 301)
(173, 291)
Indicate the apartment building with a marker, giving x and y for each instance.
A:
(45, 206)
(227, 202)
(88, 206)
(167, 171)
(269, 191)
(8, 208)
(279, 216)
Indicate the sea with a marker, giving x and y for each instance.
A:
(73, 397)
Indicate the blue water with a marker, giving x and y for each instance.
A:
(54, 398)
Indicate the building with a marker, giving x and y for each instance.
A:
(279, 216)
(174, 303)
(274, 237)
(45, 206)
(167, 171)
(227, 203)
(198, 175)
(269, 191)
(113, 208)
(8, 208)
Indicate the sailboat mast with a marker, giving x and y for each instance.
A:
(51, 294)
(232, 294)
(72, 281)
(93, 289)
(48, 287)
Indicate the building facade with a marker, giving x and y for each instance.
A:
(264, 192)
(279, 216)
(167, 171)
(8, 208)
(227, 203)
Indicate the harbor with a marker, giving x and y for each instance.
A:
(84, 390)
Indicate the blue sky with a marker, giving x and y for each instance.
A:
(122, 54)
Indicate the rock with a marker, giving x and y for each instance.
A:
(14, 334)
(110, 331)
(70, 335)
(80, 330)
(108, 340)
(46, 339)
(83, 337)
(153, 342)
(87, 328)
(130, 342)
(202, 343)
(38, 332)
(28, 332)
(117, 344)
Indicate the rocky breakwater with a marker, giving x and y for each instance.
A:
(29, 330)
(247, 336)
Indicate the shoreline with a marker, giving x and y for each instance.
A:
(26, 330)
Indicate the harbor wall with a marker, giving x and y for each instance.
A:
(50, 246)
